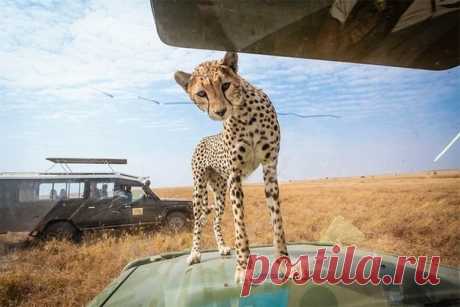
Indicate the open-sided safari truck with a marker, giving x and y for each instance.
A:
(413, 34)
(65, 204)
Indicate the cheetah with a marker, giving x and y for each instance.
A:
(251, 137)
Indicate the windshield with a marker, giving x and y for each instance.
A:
(366, 155)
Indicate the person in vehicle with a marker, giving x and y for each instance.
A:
(104, 191)
(357, 26)
(123, 192)
(148, 191)
(351, 23)
(129, 194)
(62, 194)
(94, 191)
(119, 192)
(53, 194)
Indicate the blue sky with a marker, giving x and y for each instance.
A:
(56, 57)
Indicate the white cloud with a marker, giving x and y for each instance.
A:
(111, 44)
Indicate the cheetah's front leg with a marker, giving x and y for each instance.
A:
(241, 238)
(273, 203)
(219, 186)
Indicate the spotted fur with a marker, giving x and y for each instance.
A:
(251, 137)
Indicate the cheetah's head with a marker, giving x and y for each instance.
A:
(214, 86)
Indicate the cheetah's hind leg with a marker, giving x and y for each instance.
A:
(206, 208)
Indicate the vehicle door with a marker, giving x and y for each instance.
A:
(147, 211)
(102, 209)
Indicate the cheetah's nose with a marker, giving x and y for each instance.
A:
(221, 113)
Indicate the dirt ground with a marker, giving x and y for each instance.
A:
(417, 214)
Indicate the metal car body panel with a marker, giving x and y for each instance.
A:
(167, 280)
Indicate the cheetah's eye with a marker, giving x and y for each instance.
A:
(201, 94)
(225, 86)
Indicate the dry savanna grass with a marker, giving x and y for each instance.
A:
(416, 214)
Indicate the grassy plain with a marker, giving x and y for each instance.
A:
(413, 214)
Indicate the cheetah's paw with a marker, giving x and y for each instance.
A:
(224, 250)
(240, 274)
(194, 257)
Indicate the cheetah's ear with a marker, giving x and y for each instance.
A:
(182, 78)
(231, 60)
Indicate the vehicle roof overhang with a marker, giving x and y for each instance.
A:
(299, 28)
(118, 177)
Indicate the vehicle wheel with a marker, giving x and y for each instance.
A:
(176, 221)
(62, 231)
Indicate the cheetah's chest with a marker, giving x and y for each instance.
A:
(250, 162)
(250, 150)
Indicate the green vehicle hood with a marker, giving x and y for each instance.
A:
(167, 280)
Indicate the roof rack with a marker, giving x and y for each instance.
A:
(63, 162)
(87, 161)
(69, 174)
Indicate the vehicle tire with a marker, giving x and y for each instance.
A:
(176, 221)
(62, 231)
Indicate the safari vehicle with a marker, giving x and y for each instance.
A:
(296, 29)
(52, 204)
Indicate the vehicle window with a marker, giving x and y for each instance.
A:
(34, 191)
(76, 190)
(47, 192)
(137, 194)
(101, 190)
(61, 190)
(28, 191)
(106, 189)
